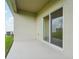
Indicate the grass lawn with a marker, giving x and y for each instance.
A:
(57, 35)
(8, 43)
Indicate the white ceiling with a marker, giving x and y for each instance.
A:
(31, 5)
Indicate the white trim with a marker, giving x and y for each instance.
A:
(49, 28)
(43, 27)
(63, 29)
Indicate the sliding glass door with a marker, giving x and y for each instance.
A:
(57, 27)
(54, 33)
(46, 28)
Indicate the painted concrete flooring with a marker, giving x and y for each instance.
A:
(33, 49)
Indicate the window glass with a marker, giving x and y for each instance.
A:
(57, 28)
(46, 28)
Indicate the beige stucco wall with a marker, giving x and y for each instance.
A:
(24, 26)
(68, 28)
(68, 24)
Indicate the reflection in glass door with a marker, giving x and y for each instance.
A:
(53, 28)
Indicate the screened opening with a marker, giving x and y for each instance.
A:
(9, 29)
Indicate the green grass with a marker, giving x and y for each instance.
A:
(57, 35)
(8, 43)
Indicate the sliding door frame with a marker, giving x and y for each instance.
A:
(49, 43)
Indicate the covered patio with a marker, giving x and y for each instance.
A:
(29, 30)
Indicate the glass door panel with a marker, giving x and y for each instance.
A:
(46, 28)
(57, 28)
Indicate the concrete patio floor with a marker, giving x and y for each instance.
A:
(33, 49)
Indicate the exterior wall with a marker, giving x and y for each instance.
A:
(68, 24)
(68, 28)
(24, 26)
